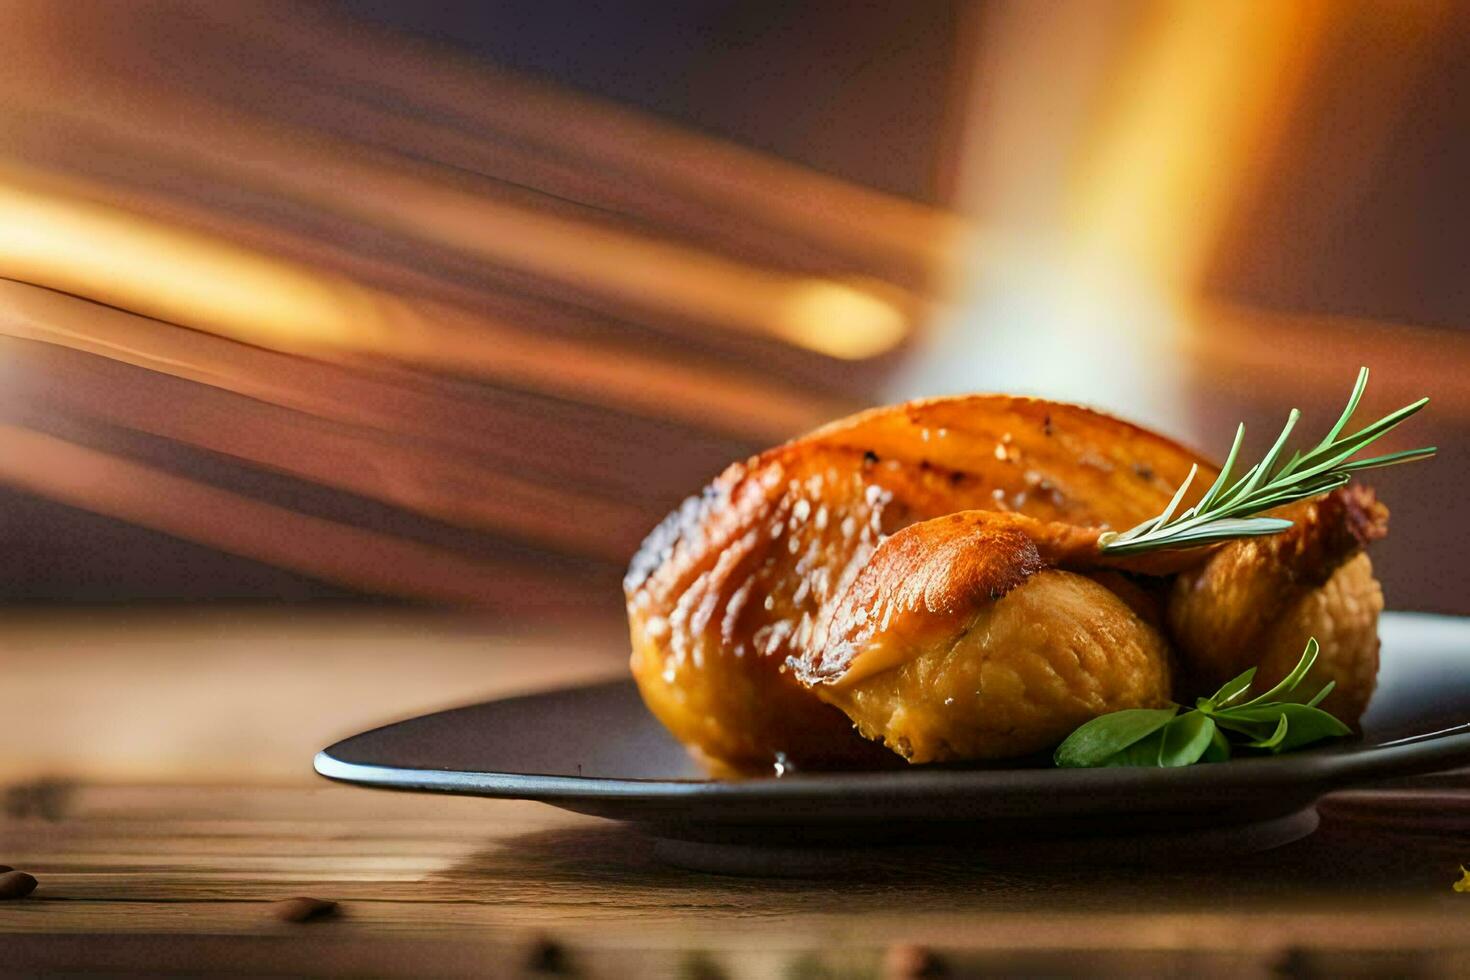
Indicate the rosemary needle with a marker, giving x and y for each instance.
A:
(1230, 509)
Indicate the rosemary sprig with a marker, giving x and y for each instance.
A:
(1228, 509)
(1167, 737)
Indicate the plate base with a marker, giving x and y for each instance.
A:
(1159, 847)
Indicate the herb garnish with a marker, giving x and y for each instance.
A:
(1167, 737)
(1227, 509)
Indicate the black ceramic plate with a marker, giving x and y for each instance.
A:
(597, 750)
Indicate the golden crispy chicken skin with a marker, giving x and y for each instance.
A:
(731, 583)
(747, 575)
(1256, 602)
(959, 640)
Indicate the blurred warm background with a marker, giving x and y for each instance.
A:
(345, 344)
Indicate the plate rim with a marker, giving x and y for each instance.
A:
(1322, 769)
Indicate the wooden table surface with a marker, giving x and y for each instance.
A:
(178, 871)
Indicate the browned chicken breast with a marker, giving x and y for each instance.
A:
(1256, 601)
(748, 574)
(961, 640)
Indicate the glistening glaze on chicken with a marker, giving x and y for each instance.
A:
(746, 575)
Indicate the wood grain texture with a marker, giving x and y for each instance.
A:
(447, 883)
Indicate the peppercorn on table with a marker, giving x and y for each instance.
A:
(150, 859)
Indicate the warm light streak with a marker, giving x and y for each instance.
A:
(1195, 112)
(461, 488)
(839, 320)
(115, 256)
(630, 170)
(1113, 184)
(640, 273)
(174, 274)
(355, 557)
(54, 234)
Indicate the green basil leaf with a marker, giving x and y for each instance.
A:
(1248, 714)
(1234, 688)
(1322, 694)
(1308, 725)
(1274, 740)
(1300, 696)
(1305, 724)
(1106, 735)
(1254, 727)
(1219, 747)
(1185, 739)
(1291, 680)
(1144, 752)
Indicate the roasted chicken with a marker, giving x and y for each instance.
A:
(925, 582)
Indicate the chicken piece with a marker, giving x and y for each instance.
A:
(961, 640)
(1257, 601)
(734, 581)
(746, 575)
(728, 585)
